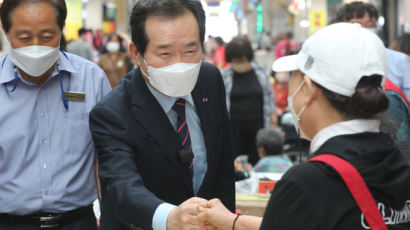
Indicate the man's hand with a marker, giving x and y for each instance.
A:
(184, 216)
(215, 214)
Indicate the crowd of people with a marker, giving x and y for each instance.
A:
(110, 51)
(150, 125)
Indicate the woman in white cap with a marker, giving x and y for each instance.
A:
(356, 178)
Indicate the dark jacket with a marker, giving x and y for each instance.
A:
(137, 147)
(313, 196)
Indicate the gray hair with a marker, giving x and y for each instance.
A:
(271, 140)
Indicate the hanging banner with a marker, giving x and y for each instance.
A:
(294, 7)
(74, 20)
(318, 19)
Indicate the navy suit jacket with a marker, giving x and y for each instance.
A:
(137, 150)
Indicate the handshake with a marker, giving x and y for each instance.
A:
(199, 214)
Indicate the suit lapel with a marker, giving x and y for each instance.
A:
(205, 102)
(148, 112)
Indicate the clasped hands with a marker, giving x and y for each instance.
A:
(200, 214)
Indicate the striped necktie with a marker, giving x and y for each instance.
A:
(183, 130)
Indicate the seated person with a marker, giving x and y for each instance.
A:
(270, 145)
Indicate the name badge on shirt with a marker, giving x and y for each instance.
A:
(75, 96)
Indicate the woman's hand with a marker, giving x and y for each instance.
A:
(215, 215)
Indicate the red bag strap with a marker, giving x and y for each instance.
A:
(357, 188)
(389, 85)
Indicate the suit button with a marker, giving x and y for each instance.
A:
(151, 139)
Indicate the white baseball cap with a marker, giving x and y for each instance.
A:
(337, 57)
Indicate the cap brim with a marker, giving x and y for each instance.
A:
(285, 64)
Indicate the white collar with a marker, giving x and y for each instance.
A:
(343, 128)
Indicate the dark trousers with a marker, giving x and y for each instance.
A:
(244, 142)
(84, 223)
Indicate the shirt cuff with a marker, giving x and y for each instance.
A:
(159, 220)
(96, 208)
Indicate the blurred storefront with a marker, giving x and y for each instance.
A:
(106, 15)
(74, 19)
(397, 15)
(220, 20)
(227, 18)
(304, 17)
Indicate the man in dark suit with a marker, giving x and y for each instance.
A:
(163, 136)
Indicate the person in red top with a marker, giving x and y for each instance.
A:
(285, 46)
(219, 55)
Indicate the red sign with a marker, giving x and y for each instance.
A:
(266, 186)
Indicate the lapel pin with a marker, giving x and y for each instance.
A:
(204, 100)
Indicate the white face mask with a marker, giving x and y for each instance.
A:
(296, 117)
(175, 80)
(113, 47)
(241, 67)
(35, 60)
